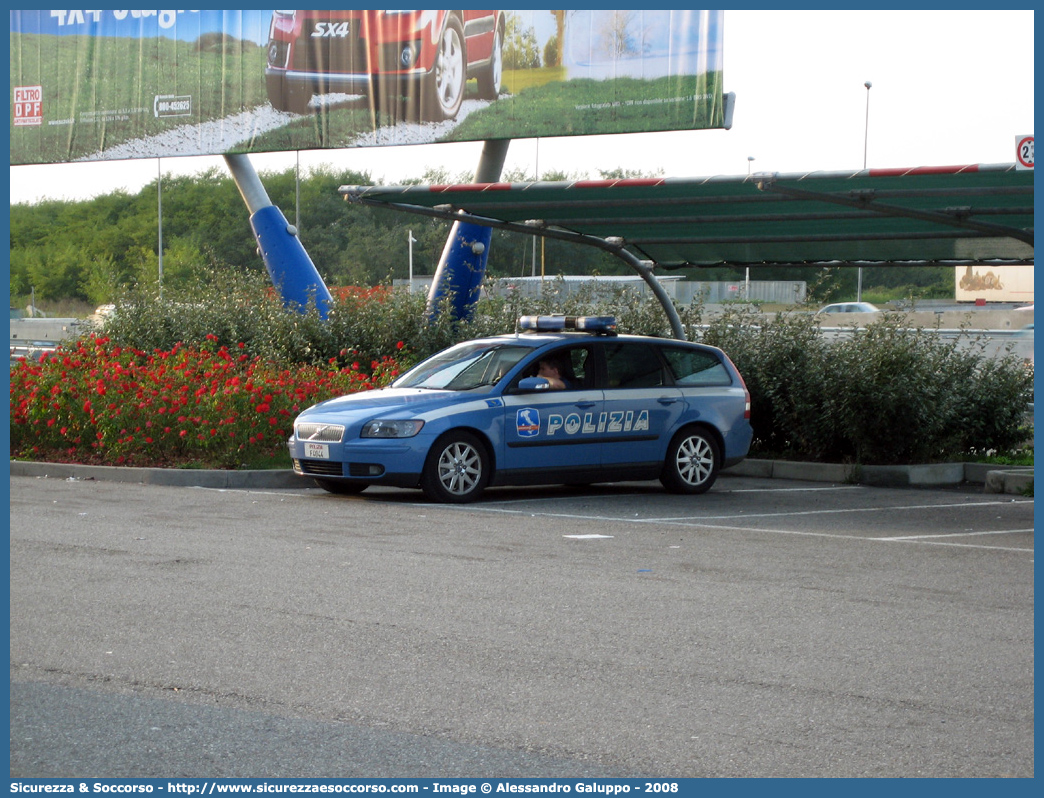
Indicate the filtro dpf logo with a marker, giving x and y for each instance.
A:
(172, 105)
(27, 105)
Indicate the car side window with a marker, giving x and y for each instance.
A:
(695, 367)
(630, 365)
(578, 365)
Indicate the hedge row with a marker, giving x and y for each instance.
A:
(886, 395)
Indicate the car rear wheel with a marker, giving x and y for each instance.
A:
(692, 462)
(342, 488)
(457, 469)
(445, 84)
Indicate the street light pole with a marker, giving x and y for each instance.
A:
(866, 129)
(866, 138)
(746, 282)
(412, 241)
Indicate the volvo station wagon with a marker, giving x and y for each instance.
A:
(487, 412)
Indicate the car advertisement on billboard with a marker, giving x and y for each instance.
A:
(104, 85)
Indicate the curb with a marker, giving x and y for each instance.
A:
(176, 477)
(1013, 480)
(994, 480)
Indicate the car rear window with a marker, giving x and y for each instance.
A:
(632, 365)
(695, 367)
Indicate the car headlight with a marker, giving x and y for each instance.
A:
(392, 428)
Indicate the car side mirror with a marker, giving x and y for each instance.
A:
(529, 384)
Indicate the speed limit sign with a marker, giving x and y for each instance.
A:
(1024, 152)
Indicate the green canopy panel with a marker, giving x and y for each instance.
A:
(961, 214)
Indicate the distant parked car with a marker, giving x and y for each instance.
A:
(422, 57)
(849, 307)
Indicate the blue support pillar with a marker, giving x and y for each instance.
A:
(291, 270)
(462, 267)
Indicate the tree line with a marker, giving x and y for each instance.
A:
(91, 250)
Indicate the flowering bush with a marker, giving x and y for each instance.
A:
(194, 381)
(96, 402)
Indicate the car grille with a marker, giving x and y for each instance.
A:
(320, 433)
(320, 468)
(331, 55)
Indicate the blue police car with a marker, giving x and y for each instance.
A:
(486, 412)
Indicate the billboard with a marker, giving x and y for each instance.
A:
(994, 282)
(103, 85)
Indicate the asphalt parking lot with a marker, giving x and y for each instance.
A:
(767, 628)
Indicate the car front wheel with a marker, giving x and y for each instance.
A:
(489, 79)
(692, 462)
(457, 469)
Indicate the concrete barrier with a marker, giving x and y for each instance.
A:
(1017, 481)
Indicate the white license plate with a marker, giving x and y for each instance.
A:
(317, 451)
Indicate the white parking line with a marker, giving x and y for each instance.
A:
(792, 490)
(931, 540)
(700, 523)
(959, 545)
(797, 513)
(940, 539)
(961, 534)
(625, 494)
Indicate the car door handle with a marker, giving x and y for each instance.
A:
(667, 400)
(585, 405)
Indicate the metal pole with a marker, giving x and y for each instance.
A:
(249, 184)
(866, 129)
(536, 177)
(411, 240)
(159, 211)
(866, 138)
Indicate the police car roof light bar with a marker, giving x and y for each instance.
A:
(603, 325)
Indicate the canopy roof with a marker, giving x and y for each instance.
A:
(956, 214)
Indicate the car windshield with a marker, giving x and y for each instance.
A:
(464, 367)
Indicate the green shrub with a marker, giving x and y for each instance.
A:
(887, 394)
